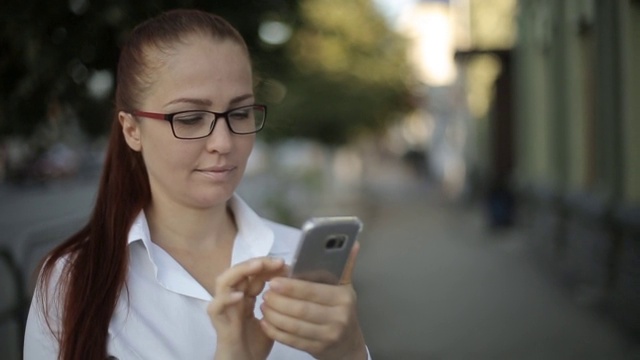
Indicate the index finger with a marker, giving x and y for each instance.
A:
(318, 293)
(240, 272)
(351, 264)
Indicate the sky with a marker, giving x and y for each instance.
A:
(392, 8)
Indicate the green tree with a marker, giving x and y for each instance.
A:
(343, 69)
(50, 50)
(348, 73)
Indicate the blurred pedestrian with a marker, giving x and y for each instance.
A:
(172, 263)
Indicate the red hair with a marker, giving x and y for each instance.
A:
(94, 276)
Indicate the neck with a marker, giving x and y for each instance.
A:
(190, 229)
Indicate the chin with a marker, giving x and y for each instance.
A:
(215, 198)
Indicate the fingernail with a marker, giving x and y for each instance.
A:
(236, 295)
(276, 260)
(275, 285)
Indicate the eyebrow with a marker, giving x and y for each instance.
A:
(201, 102)
(205, 102)
(240, 98)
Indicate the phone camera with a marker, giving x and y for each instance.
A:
(335, 242)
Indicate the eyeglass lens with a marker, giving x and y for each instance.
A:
(196, 124)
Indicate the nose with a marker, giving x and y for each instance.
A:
(221, 138)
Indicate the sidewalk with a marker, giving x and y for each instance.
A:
(434, 283)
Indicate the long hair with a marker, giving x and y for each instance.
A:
(95, 259)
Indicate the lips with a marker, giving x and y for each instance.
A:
(217, 173)
(217, 169)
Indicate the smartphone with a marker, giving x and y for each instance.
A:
(324, 248)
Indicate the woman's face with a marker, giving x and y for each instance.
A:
(199, 74)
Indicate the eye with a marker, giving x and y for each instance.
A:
(242, 114)
(190, 118)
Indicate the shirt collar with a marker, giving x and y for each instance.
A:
(254, 239)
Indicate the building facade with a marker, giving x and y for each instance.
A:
(576, 145)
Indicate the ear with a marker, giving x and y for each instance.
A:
(130, 130)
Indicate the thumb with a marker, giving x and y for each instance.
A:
(351, 264)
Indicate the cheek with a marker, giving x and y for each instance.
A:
(166, 154)
(245, 147)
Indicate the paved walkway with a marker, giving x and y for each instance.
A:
(435, 283)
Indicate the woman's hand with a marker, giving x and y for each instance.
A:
(316, 318)
(232, 309)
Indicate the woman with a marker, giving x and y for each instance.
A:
(168, 241)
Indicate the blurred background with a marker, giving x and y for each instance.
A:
(489, 146)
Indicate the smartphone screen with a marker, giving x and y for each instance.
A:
(324, 248)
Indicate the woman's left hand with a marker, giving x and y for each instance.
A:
(316, 318)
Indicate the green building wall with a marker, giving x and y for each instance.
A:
(631, 101)
(577, 132)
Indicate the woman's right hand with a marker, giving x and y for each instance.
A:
(232, 309)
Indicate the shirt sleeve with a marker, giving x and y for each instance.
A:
(40, 340)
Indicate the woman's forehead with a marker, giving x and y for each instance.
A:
(158, 54)
(199, 67)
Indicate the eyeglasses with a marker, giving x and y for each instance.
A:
(198, 124)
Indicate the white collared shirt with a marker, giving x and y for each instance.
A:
(162, 313)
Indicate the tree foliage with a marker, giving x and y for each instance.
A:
(342, 70)
(349, 73)
(50, 50)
